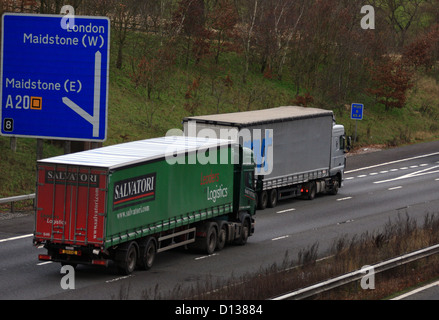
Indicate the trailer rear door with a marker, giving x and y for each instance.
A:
(71, 204)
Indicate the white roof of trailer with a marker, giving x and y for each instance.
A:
(263, 116)
(135, 152)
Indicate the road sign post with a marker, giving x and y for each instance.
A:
(54, 81)
(356, 114)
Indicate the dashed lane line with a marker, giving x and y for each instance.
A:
(17, 238)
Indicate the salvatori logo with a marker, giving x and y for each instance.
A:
(134, 191)
(72, 178)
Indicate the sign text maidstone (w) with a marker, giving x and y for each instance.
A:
(54, 81)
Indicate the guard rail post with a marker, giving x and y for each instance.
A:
(14, 199)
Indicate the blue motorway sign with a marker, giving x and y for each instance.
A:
(54, 81)
(357, 111)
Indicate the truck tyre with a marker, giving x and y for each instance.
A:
(222, 237)
(126, 258)
(311, 190)
(262, 200)
(208, 241)
(147, 253)
(211, 239)
(245, 232)
(272, 198)
(334, 189)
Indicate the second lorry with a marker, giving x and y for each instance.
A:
(299, 152)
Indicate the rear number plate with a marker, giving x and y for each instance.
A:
(71, 252)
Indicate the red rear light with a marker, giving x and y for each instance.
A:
(44, 257)
(100, 262)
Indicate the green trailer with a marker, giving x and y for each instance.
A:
(127, 202)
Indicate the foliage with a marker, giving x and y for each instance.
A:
(174, 58)
(390, 81)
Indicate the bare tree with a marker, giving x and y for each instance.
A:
(247, 11)
(123, 19)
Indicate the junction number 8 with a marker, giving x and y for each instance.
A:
(8, 125)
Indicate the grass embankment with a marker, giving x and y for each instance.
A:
(207, 88)
(396, 238)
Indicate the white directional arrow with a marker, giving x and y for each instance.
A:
(411, 175)
(92, 119)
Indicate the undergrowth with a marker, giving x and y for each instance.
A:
(347, 254)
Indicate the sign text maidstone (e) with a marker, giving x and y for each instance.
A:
(54, 81)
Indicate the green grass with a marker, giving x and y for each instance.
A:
(131, 116)
(416, 122)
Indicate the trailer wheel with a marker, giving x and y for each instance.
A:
(272, 199)
(126, 258)
(147, 253)
(311, 190)
(262, 200)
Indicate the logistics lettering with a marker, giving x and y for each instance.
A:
(217, 193)
(211, 178)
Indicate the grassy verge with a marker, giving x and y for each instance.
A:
(397, 238)
(199, 89)
(416, 122)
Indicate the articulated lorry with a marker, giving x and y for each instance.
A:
(125, 203)
(299, 152)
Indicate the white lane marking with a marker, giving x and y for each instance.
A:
(343, 199)
(416, 291)
(43, 263)
(120, 278)
(17, 238)
(362, 176)
(280, 238)
(350, 178)
(411, 175)
(392, 162)
(287, 210)
(395, 188)
(204, 257)
(373, 173)
(347, 221)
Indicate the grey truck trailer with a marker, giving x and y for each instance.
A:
(299, 152)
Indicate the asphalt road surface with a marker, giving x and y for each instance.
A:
(378, 187)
